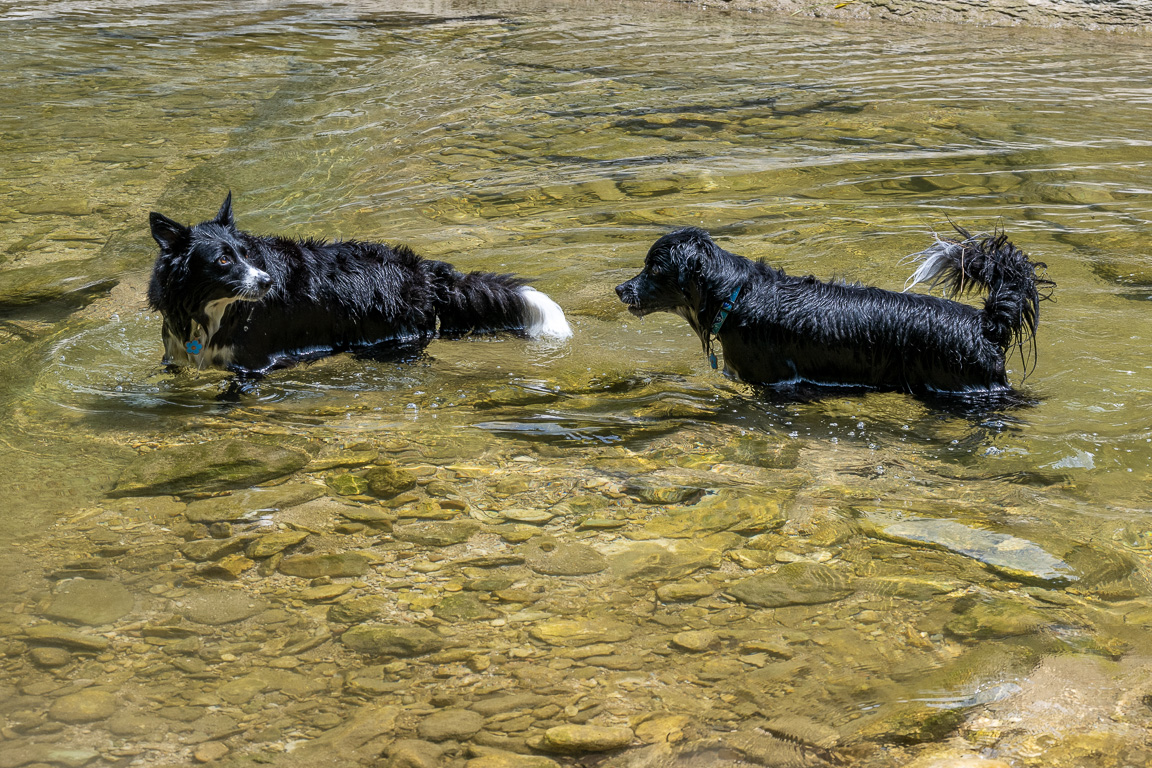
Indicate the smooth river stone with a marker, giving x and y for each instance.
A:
(84, 706)
(1010, 556)
(577, 739)
(392, 640)
(90, 601)
(213, 605)
(219, 465)
(237, 506)
(792, 584)
(335, 565)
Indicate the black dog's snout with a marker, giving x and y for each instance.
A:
(264, 281)
(625, 290)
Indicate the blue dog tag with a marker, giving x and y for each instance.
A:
(194, 347)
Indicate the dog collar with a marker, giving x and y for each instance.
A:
(728, 305)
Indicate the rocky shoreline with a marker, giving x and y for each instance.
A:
(1125, 16)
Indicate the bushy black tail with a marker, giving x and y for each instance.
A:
(990, 263)
(484, 302)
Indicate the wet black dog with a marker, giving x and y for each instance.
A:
(777, 329)
(248, 303)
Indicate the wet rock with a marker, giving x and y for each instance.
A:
(556, 558)
(203, 550)
(667, 559)
(457, 724)
(346, 484)
(580, 739)
(38, 755)
(463, 606)
(388, 481)
(344, 458)
(54, 634)
(219, 465)
(414, 753)
(533, 516)
(663, 729)
(996, 617)
(246, 504)
(951, 757)
(269, 545)
(695, 641)
(324, 592)
(726, 510)
(501, 759)
(215, 606)
(84, 706)
(658, 489)
(759, 452)
(792, 584)
(1012, 557)
(392, 640)
(50, 658)
(359, 609)
(578, 632)
(360, 740)
(436, 534)
(242, 689)
(685, 591)
(333, 565)
(911, 724)
(210, 751)
(512, 702)
(88, 601)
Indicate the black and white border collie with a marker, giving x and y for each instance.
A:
(249, 303)
(780, 331)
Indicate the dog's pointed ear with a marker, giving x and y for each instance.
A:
(171, 236)
(224, 217)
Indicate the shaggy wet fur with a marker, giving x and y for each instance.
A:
(785, 330)
(250, 303)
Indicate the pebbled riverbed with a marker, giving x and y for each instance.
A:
(597, 552)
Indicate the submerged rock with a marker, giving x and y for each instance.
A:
(438, 534)
(392, 640)
(84, 706)
(388, 481)
(668, 559)
(578, 739)
(1012, 557)
(90, 601)
(245, 504)
(214, 605)
(792, 584)
(334, 565)
(219, 465)
(556, 558)
(996, 617)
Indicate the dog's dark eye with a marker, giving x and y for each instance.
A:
(223, 261)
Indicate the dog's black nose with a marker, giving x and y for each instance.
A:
(264, 280)
(621, 290)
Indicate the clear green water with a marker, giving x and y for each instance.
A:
(558, 142)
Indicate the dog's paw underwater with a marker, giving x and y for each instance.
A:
(251, 303)
(780, 330)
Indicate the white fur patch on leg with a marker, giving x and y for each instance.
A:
(544, 316)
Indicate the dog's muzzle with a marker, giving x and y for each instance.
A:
(256, 285)
(627, 293)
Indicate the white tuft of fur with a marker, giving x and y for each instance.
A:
(544, 316)
(933, 260)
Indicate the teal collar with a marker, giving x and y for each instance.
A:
(725, 308)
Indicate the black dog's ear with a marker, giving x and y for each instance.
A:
(224, 218)
(169, 235)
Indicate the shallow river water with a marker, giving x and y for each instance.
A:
(595, 552)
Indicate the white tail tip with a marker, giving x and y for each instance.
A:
(545, 317)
